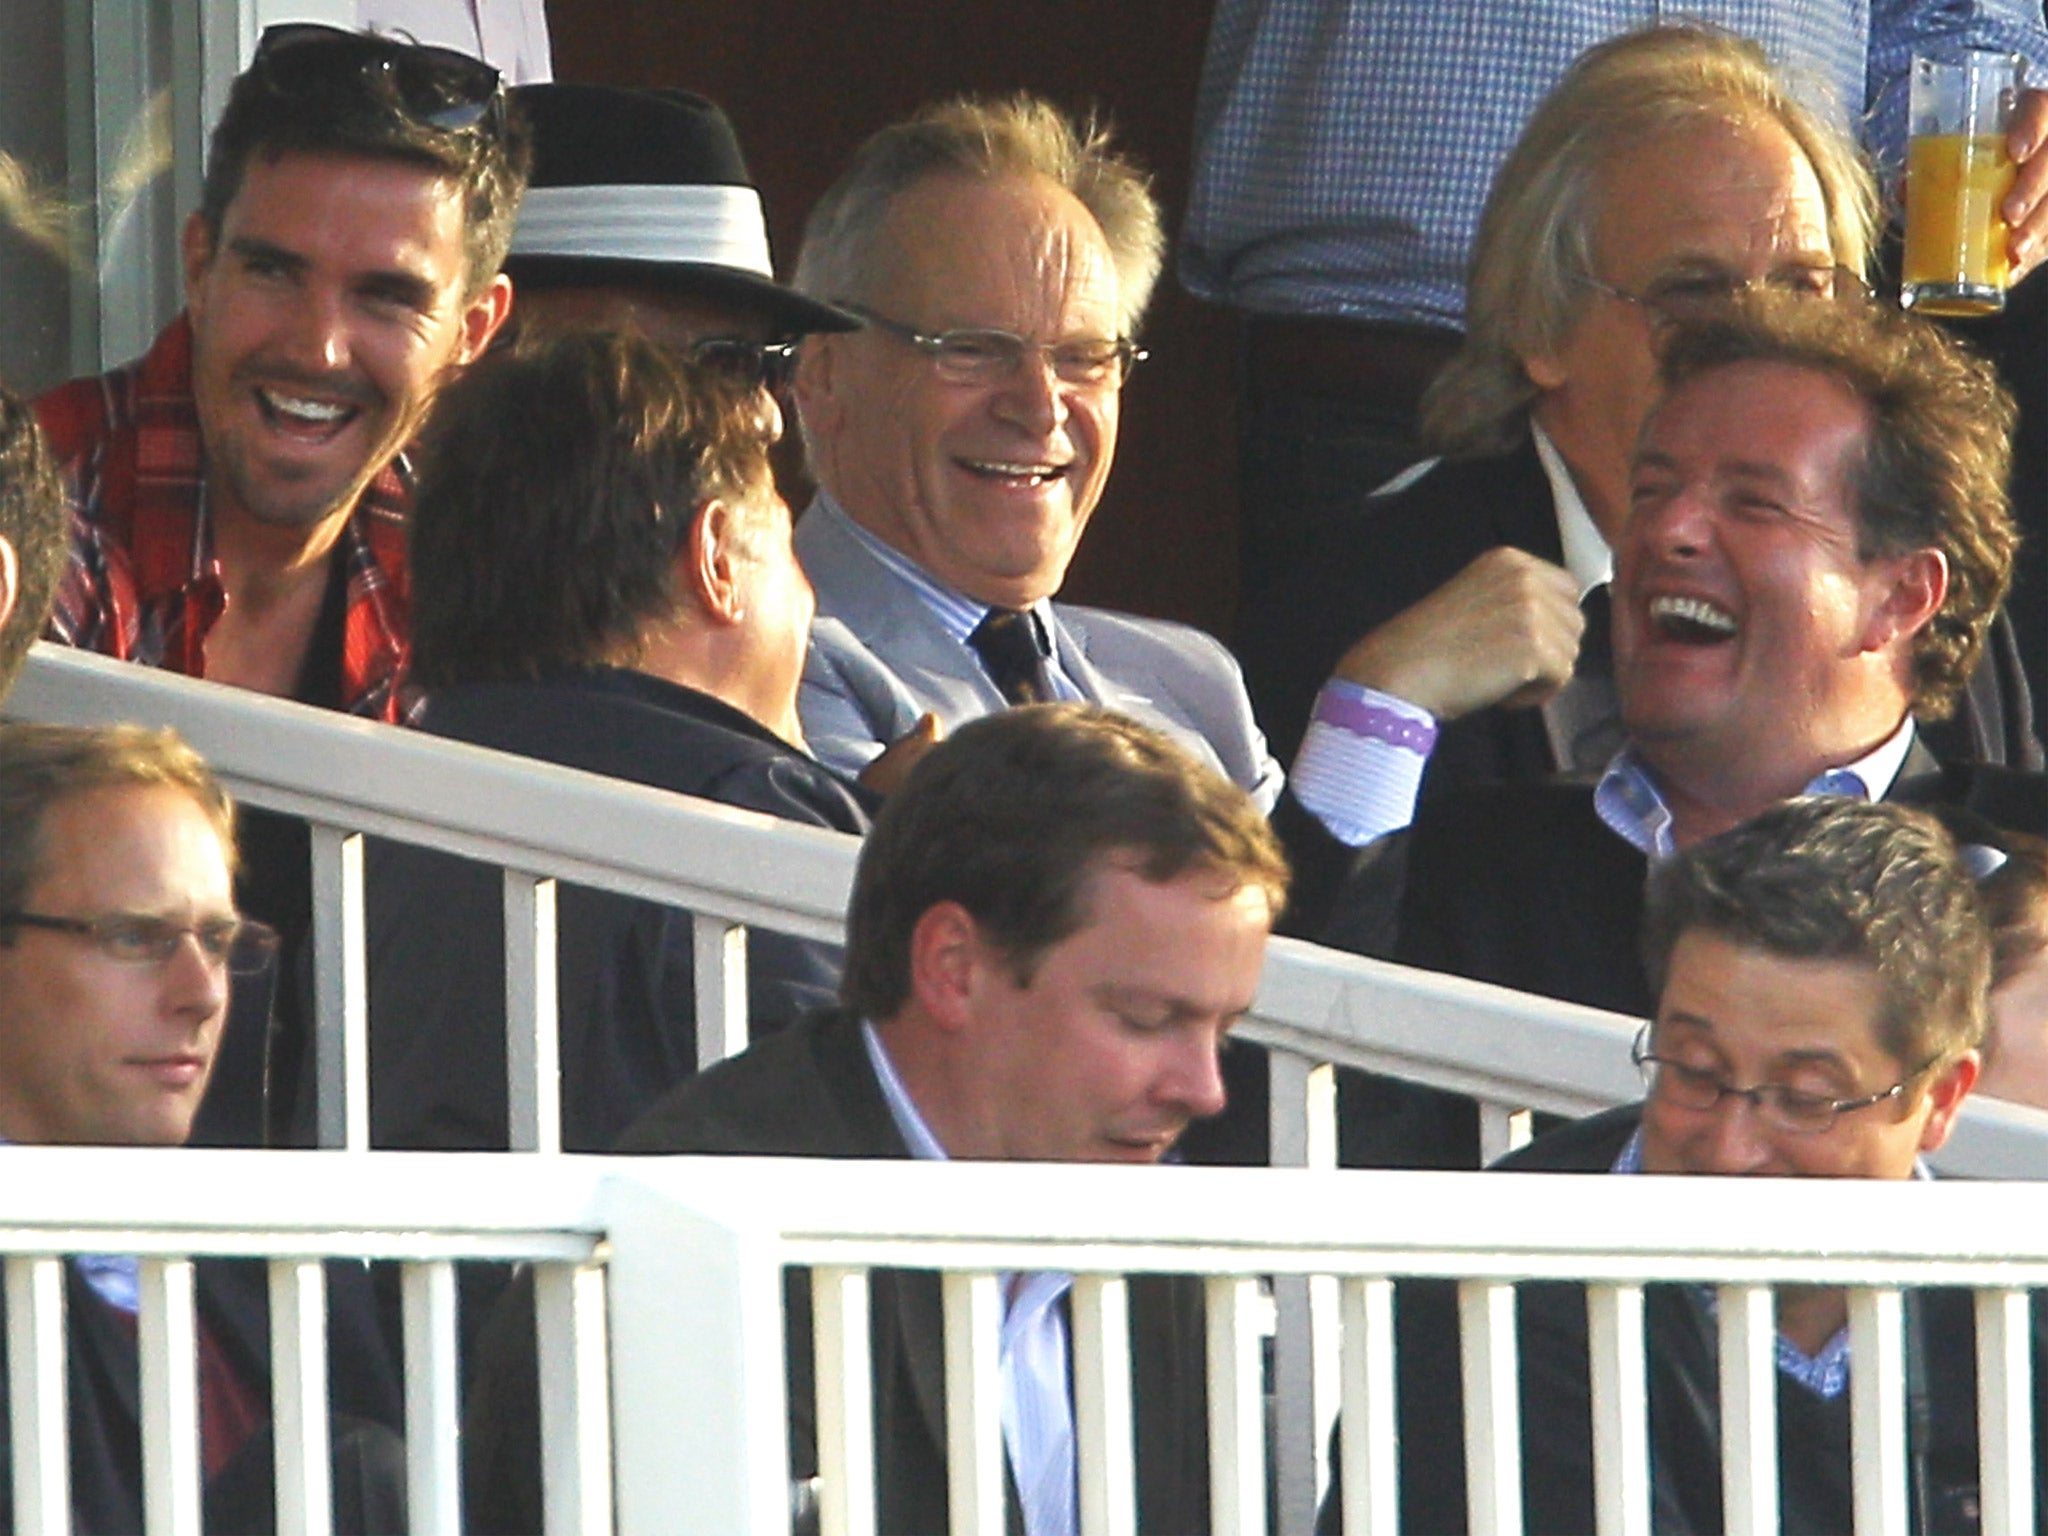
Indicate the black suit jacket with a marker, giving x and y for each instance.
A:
(233, 1300)
(1523, 885)
(626, 978)
(810, 1091)
(1386, 554)
(1392, 551)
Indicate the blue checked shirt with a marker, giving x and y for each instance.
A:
(1343, 148)
(1826, 1374)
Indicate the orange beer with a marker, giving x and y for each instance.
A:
(1955, 235)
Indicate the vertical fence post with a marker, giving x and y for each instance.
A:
(341, 1035)
(36, 1395)
(533, 1068)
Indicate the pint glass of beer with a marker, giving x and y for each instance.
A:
(1957, 173)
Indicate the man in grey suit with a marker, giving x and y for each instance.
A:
(1002, 258)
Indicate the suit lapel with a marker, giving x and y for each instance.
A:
(891, 620)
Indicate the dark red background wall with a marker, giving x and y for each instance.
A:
(807, 80)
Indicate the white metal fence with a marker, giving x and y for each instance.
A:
(662, 1295)
(730, 868)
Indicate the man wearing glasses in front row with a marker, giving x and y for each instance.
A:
(118, 937)
(1822, 975)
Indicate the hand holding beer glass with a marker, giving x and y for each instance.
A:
(1958, 171)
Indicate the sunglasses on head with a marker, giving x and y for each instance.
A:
(435, 86)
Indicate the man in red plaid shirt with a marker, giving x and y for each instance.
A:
(240, 492)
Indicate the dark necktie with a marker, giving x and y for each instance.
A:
(1006, 640)
(1584, 720)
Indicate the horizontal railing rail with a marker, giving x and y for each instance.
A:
(661, 1292)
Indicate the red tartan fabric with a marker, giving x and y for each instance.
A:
(143, 583)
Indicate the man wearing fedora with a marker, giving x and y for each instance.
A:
(641, 216)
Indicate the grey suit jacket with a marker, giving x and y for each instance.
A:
(879, 659)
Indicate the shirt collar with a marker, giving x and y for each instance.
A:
(1586, 554)
(916, 1135)
(1628, 800)
(957, 613)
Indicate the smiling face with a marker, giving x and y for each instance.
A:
(1713, 200)
(1110, 1049)
(100, 1051)
(1751, 643)
(988, 487)
(1751, 1017)
(323, 320)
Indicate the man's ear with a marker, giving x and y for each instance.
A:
(1915, 588)
(1545, 371)
(10, 579)
(195, 250)
(1945, 1097)
(946, 953)
(707, 564)
(815, 388)
(481, 318)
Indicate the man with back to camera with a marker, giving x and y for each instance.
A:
(1053, 925)
(34, 528)
(1464, 612)
(1822, 974)
(605, 582)
(118, 934)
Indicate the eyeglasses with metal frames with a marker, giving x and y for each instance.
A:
(436, 86)
(1780, 1106)
(976, 356)
(1682, 296)
(245, 946)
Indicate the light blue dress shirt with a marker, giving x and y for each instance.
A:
(1038, 1414)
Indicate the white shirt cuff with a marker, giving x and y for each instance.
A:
(1361, 761)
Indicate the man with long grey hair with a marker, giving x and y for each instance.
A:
(1462, 612)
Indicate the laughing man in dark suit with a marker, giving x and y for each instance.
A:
(1819, 539)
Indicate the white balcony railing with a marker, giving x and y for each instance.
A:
(661, 1294)
(540, 824)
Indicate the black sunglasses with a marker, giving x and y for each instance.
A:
(768, 365)
(435, 86)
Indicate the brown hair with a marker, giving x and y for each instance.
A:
(1935, 457)
(557, 481)
(42, 765)
(1012, 816)
(1837, 878)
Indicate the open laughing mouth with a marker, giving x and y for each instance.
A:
(1692, 620)
(1010, 472)
(305, 416)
